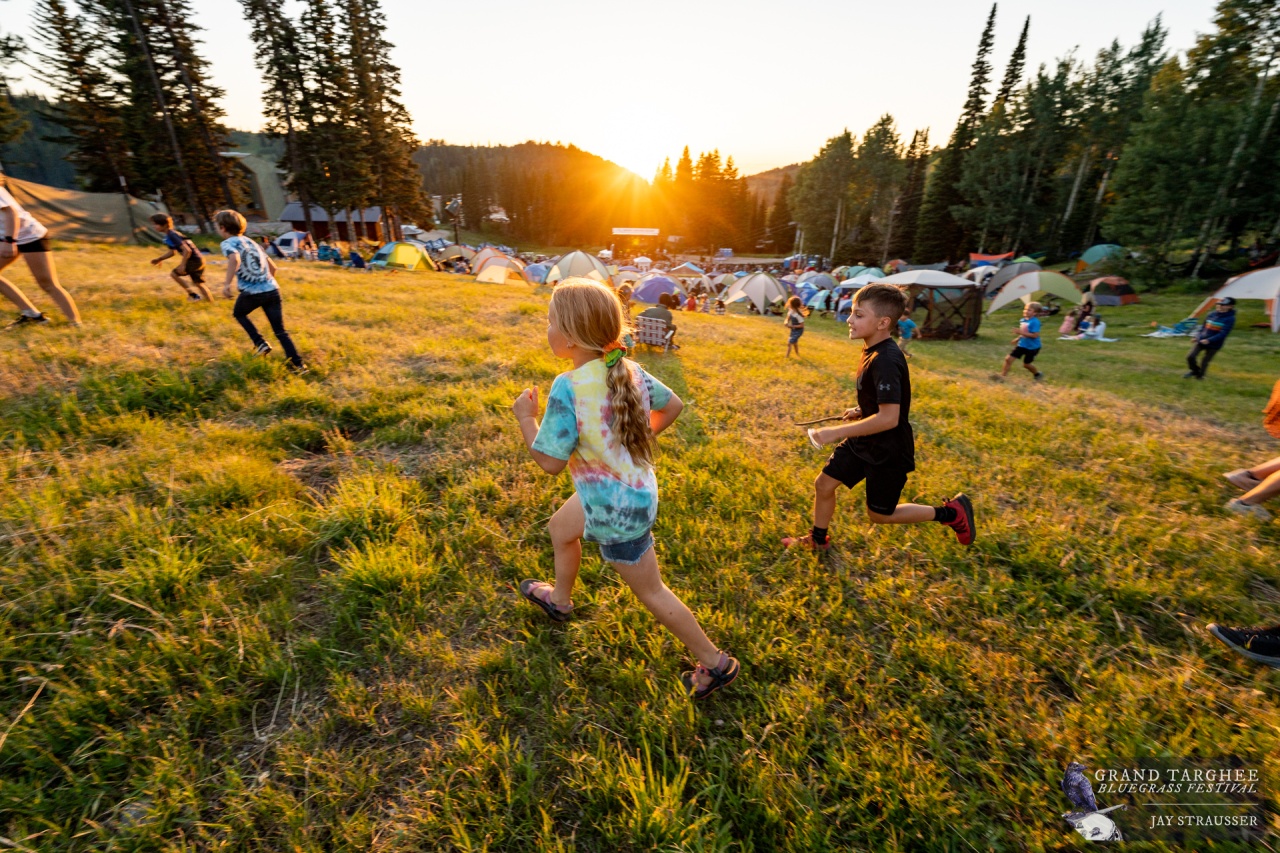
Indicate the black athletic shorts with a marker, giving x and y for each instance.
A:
(1027, 355)
(32, 246)
(884, 482)
(194, 267)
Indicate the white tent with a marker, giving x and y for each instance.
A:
(1028, 284)
(932, 278)
(643, 263)
(621, 277)
(577, 264)
(1259, 284)
(502, 270)
(724, 280)
(485, 255)
(860, 280)
(760, 288)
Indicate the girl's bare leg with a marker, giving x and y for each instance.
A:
(645, 581)
(1264, 491)
(41, 265)
(1265, 470)
(11, 291)
(566, 528)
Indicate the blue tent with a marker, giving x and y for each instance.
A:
(651, 289)
(818, 301)
(805, 290)
(739, 273)
(537, 272)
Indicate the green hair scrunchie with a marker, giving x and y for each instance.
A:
(613, 356)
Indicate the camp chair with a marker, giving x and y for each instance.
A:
(1182, 327)
(653, 332)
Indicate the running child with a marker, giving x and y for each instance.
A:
(254, 275)
(879, 447)
(795, 322)
(191, 264)
(1026, 344)
(906, 332)
(602, 420)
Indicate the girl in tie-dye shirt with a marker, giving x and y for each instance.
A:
(601, 422)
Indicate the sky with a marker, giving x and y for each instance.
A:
(764, 82)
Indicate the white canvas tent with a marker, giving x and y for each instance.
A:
(932, 278)
(578, 264)
(1259, 284)
(760, 288)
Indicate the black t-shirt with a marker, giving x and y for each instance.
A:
(883, 378)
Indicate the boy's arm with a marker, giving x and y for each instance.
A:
(885, 419)
(271, 265)
(526, 410)
(666, 416)
(233, 264)
(166, 256)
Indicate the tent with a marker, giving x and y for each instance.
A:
(485, 255)
(874, 272)
(980, 275)
(1112, 290)
(577, 264)
(649, 288)
(951, 313)
(820, 300)
(858, 281)
(806, 291)
(897, 264)
(1259, 284)
(503, 271)
(1027, 259)
(73, 215)
(805, 276)
(643, 263)
(1027, 285)
(976, 260)
(621, 277)
(536, 273)
(1008, 273)
(856, 269)
(478, 265)
(1095, 255)
(403, 256)
(821, 280)
(724, 280)
(687, 270)
(932, 278)
(790, 278)
(456, 250)
(760, 288)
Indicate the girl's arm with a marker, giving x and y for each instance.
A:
(526, 411)
(666, 416)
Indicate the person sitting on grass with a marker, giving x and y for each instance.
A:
(906, 332)
(879, 447)
(191, 264)
(254, 275)
(602, 421)
(794, 322)
(662, 311)
(1026, 344)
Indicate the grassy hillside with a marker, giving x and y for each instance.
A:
(243, 610)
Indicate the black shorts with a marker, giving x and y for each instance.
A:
(884, 482)
(33, 246)
(194, 267)
(1027, 355)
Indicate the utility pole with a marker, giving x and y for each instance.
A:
(168, 119)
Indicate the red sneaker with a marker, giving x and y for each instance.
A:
(963, 525)
(805, 541)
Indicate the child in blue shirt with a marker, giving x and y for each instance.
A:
(906, 332)
(191, 264)
(1026, 344)
(254, 275)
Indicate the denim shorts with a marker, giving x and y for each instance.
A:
(796, 332)
(627, 553)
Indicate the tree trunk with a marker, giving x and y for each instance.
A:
(1075, 191)
(1097, 205)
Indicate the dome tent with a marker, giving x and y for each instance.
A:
(536, 273)
(652, 286)
(502, 271)
(1027, 285)
(760, 288)
(578, 264)
(1112, 290)
(456, 250)
(1008, 273)
(403, 256)
(485, 255)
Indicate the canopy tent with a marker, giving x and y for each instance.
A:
(952, 313)
(1006, 274)
(1027, 285)
(649, 288)
(503, 271)
(1112, 290)
(73, 215)
(485, 255)
(976, 260)
(456, 250)
(1259, 284)
(1095, 255)
(687, 270)
(642, 263)
(760, 288)
(980, 275)
(857, 281)
(931, 278)
(403, 256)
(536, 273)
(577, 264)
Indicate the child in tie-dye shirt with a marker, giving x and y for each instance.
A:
(602, 419)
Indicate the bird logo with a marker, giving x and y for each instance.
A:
(1086, 818)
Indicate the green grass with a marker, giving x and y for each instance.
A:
(255, 612)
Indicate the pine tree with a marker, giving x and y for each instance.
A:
(904, 226)
(1013, 73)
(12, 124)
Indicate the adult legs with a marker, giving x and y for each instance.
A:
(274, 309)
(46, 275)
(245, 304)
(11, 291)
(1268, 488)
(645, 581)
(566, 528)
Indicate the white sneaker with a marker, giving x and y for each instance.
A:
(1241, 479)
(1239, 507)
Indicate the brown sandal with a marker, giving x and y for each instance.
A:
(720, 676)
(534, 591)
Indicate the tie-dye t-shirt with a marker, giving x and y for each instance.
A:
(619, 496)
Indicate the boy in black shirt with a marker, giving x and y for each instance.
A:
(879, 447)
